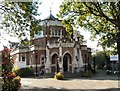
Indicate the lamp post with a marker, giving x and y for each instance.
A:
(36, 57)
(88, 64)
(85, 62)
(94, 63)
(57, 65)
(94, 58)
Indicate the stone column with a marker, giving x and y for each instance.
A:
(74, 63)
(60, 53)
(60, 58)
(80, 59)
(47, 64)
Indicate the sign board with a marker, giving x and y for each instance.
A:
(113, 57)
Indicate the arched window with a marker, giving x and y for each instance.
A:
(42, 59)
(22, 58)
(59, 32)
(51, 32)
(55, 32)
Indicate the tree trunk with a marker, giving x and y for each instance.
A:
(118, 49)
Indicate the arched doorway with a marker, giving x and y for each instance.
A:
(54, 63)
(67, 62)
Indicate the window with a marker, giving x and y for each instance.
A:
(51, 32)
(42, 58)
(55, 32)
(23, 59)
(59, 32)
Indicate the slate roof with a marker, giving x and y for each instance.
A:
(51, 17)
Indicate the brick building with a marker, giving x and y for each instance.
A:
(56, 50)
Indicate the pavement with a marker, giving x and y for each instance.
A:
(98, 82)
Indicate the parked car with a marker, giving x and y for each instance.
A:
(108, 72)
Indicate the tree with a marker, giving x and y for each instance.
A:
(101, 18)
(18, 18)
(100, 59)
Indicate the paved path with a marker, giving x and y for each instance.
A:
(97, 83)
(68, 84)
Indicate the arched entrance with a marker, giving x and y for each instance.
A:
(54, 63)
(67, 62)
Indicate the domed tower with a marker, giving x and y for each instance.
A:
(54, 33)
(52, 29)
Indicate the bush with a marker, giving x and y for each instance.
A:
(16, 82)
(93, 71)
(24, 72)
(10, 81)
(87, 74)
(59, 76)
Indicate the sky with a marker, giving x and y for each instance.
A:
(48, 5)
(44, 10)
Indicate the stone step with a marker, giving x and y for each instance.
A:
(66, 75)
(71, 75)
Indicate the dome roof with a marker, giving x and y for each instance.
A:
(51, 17)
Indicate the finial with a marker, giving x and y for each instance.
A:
(50, 11)
(51, 8)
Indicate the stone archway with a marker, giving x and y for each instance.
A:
(67, 61)
(54, 63)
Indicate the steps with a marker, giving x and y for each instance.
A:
(48, 75)
(66, 75)
(71, 75)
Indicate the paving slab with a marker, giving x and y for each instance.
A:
(99, 82)
(83, 84)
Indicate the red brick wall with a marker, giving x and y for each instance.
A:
(39, 41)
(65, 49)
(54, 50)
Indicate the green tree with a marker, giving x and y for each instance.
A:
(19, 17)
(101, 18)
(100, 59)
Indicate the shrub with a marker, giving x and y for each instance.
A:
(16, 81)
(93, 71)
(59, 76)
(24, 72)
(10, 81)
(87, 74)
